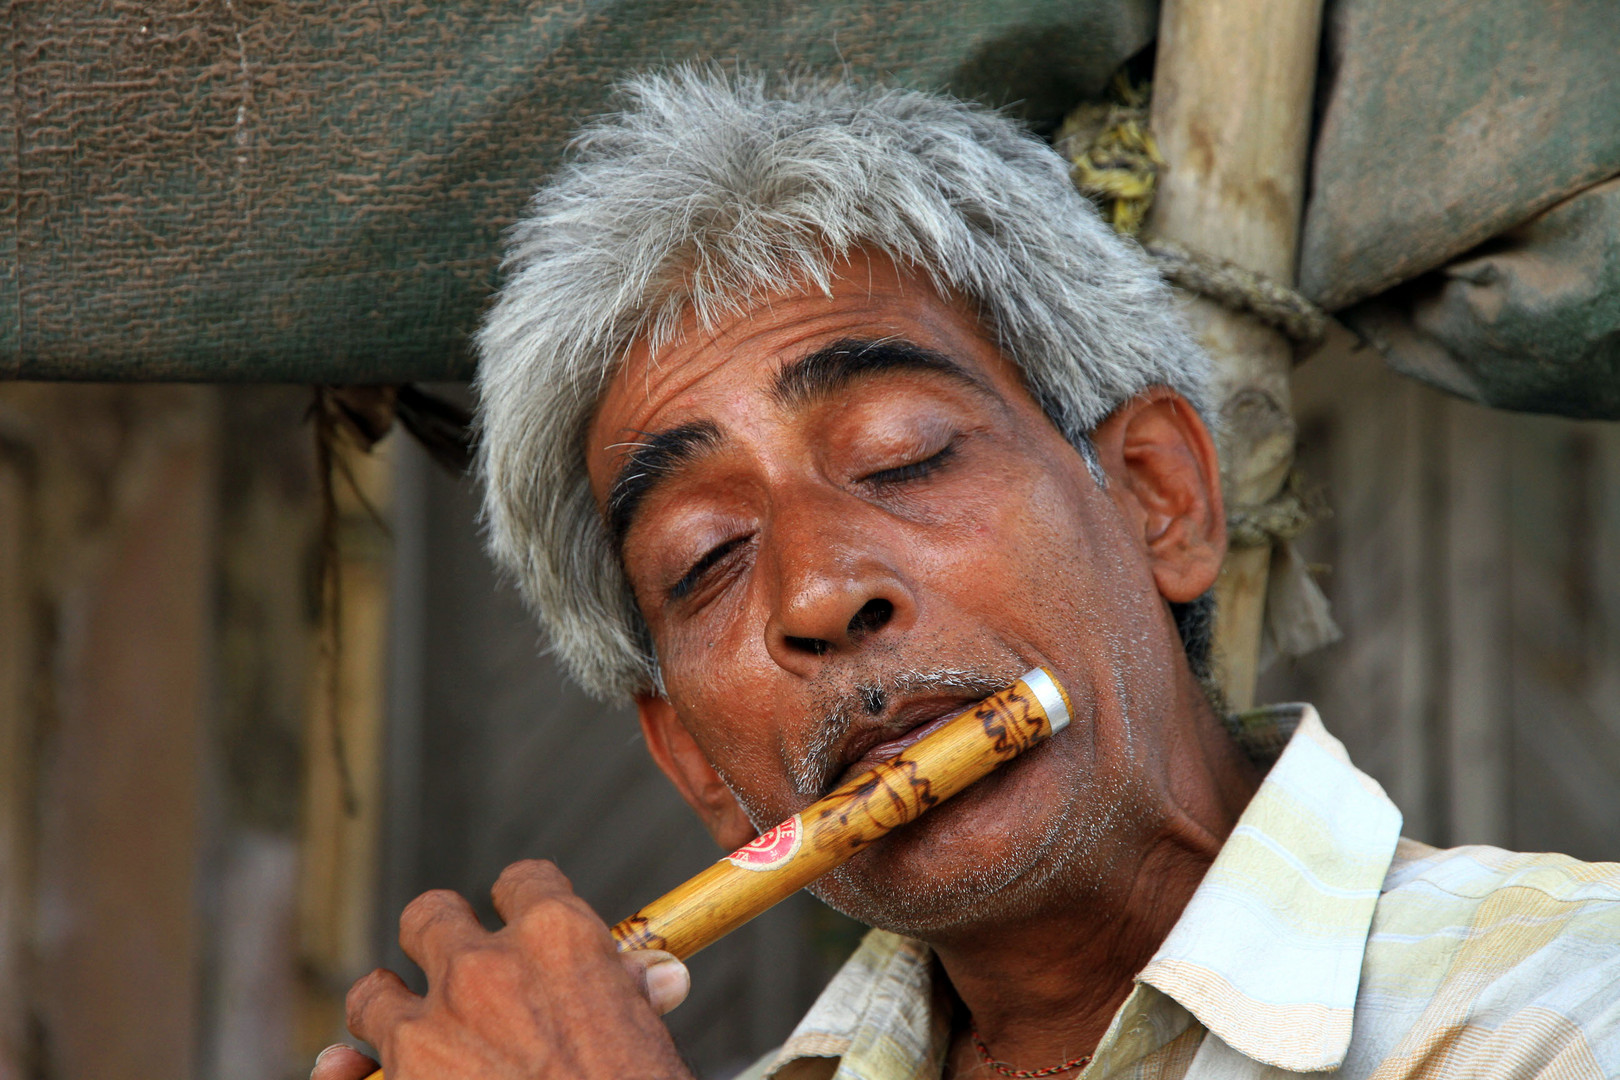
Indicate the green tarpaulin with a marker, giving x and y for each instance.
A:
(1529, 321)
(1448, 126)
(304, 191)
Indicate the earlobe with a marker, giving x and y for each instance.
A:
(678, 757)
(1167, 483)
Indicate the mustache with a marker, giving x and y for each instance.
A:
(819, 765)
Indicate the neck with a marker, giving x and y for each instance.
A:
(1043, 988)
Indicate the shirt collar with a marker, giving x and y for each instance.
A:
(880, 1015)
(1267, 954)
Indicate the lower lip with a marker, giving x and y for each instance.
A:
(888, 751)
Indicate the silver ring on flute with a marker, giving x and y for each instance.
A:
(1046, 691)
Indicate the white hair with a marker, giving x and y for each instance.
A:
(708, 191)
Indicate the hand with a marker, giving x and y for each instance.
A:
(547, 995)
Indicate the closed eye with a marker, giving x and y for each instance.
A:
(915, 470)
(693, 576)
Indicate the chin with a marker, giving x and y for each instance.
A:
(997, 853)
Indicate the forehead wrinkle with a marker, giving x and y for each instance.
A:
(650, 461)
(834, 367)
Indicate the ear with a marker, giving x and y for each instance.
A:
(1166, 480)
(678, 757)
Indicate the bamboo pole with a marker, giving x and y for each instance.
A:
(1232, 93)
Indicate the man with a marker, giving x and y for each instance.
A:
(810, 418)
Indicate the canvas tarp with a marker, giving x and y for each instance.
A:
(294, 190)
(1456, 152)
(302, 190)
(1528, 321)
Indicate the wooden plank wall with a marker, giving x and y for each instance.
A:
(115, 611)
(255, 982)
(154, 648)
(16, 739)
(343, 810)
(1472, 562)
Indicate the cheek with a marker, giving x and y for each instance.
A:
(1025, 547)
(719, 659)
(737, 728)
(1053, 566)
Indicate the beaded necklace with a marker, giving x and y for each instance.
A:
(1025, 1074)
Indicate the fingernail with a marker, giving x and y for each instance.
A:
(320, 1057)
(667, 985)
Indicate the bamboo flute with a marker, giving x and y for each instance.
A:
(825, 834)
(788, 857)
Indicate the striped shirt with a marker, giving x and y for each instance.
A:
(1319, 940)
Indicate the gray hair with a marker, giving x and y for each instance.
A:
(708, 191)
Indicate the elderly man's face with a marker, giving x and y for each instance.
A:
(845, 517)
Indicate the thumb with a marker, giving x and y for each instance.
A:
(660, 976)
(342, 1063)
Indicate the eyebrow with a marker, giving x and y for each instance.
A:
(833, 367)
(650, 461)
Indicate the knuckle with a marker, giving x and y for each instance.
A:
(412, 1032)
(567, 929)
(411, 1039)
(542, 872)
(559, 917)
(474, 978)
(361, 995)
(471, 967)
(428, 906)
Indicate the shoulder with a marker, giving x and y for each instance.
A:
(1494, 956)
(1479, 872)
(1501, 911)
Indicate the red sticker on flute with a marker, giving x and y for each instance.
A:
(770, 849)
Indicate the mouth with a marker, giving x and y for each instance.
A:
(909, 724)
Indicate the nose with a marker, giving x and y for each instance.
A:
(839, 587)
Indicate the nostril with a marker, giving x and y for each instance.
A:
(811, 645)
(874, 615)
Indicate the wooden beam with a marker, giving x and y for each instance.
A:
(1475, 589)
(127, 539)
(1231, 111)
(343, 751)
(16, 757)
(265, 650)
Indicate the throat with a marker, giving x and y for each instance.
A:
(1041, 993)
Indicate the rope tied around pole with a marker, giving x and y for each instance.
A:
(1232, 286)
(1114, 161)
(1279, 519)
(1299, 619)
(1113, 157)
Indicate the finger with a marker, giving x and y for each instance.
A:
(376, 1004)
(660, 976)
(541, 909)
(342, 1063)
(524, 884)
(435, 925)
